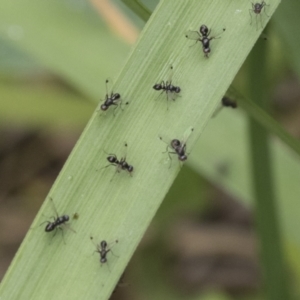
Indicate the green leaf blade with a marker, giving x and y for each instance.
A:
(123, 208)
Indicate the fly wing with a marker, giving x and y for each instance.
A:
(69, 227)
(92, 240)
(109, 86)
(53, 206)
(165, 139)
(187, 134)
(124, 151)
(171, 72)
(193, 35)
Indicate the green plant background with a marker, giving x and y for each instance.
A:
(68, 48)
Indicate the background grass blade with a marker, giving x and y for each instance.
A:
(138, 8)
(123, 208)
(286, 22)
(77, 53)
(265, 120)
(267, 221)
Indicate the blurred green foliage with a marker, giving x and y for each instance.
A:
(44, 85)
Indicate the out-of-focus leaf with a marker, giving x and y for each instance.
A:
(43, 106)
(122, 208)
(287, 23)
(67, 37)
(14, 60)
(222, 155)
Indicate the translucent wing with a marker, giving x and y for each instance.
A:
(165, 139)
(124, 151)
(69, 227)
(217, 36)
(193, 35)
(167, 143)
(171, 72)
(109, 86)
(53, 207)
(187, 134)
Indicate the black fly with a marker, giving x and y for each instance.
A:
(202, 36)
(257, 9)
(58, 222)
(102, 249)
(168, 87)
(112, 99)
(121, 164)
(178, 147)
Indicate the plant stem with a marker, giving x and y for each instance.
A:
(274, 273)
(264, 119)
(139, 8)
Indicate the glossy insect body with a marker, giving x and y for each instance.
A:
(125, 166)
(103, 250)
(227, 102)
(56, 223)
(167, 86)
(257, 9)
(178, 147)
(112, 99)
(120, 164)
(203, 37)
(204, 30)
